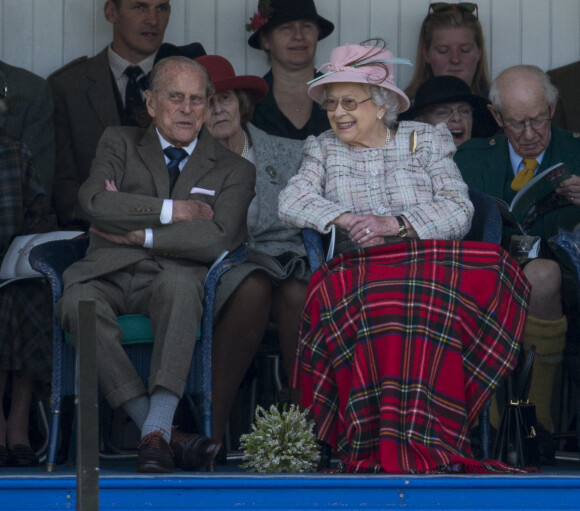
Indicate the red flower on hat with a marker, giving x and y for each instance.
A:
(261, 17)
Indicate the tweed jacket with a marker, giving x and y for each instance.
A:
(24, 208)
(133, 158)
(84, 105)
(566, 79)
(277, 160)
(29, 119)
(485, 164)
(423, 184)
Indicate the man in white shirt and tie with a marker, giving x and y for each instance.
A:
(153, 237)
(91, 94)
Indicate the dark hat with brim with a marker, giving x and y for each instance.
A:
(224, 77)
(443, 89)
(192, 50)
(275, 12)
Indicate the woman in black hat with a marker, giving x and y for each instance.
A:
(448, 99)
(288, 30)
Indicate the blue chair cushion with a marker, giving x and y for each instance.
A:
(137, 330)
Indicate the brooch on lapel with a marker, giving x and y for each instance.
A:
(413, 142)
(271, 171)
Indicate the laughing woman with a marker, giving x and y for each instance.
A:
(447, 99)
(404, 339)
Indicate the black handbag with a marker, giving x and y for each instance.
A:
(517, 443)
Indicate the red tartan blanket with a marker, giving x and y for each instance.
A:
(401, 346)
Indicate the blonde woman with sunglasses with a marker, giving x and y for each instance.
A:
(451, 43)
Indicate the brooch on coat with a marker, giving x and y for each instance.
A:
(271, 171)
(413, 142)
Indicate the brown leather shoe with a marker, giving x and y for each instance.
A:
(154, 455)
(192, 452)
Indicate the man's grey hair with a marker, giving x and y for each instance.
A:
(158, 68)
(533, 72)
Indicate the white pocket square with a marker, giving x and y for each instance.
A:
(203, 191)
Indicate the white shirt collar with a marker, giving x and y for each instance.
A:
(164, 143)
(118, 64)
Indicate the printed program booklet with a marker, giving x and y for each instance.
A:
(535, 199)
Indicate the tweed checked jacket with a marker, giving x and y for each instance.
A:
(29, 119)
(277, 160)
(133, 158)
(423, 184)
(24, 208)
(84, 105)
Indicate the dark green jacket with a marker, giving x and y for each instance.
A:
(485, 165)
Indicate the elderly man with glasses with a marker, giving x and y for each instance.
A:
(523, 102)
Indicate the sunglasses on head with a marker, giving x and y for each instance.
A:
(462, 6)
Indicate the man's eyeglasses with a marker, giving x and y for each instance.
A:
(518, 127)
(462, 6)
(444, 113)
(350, 104)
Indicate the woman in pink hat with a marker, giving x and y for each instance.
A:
(403, 339)
(272, 284)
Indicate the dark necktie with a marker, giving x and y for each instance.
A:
(133, 98)
(175, 156)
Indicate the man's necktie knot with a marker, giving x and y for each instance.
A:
(133, 72)
(175, 155)
(524, 175)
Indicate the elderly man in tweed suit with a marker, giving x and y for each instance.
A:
(151, 246)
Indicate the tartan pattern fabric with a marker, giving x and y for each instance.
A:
(24, 208)
(26, 328)
(25, 305)
(401, 346)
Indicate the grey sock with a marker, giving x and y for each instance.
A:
(138, 409)
(162, 406)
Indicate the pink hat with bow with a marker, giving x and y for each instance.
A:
(359, 63)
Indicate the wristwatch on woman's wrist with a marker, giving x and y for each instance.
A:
(402, 232)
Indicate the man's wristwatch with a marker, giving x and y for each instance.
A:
(402, 232)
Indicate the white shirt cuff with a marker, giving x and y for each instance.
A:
(148, 238)
(164, 218)
(166, 211)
